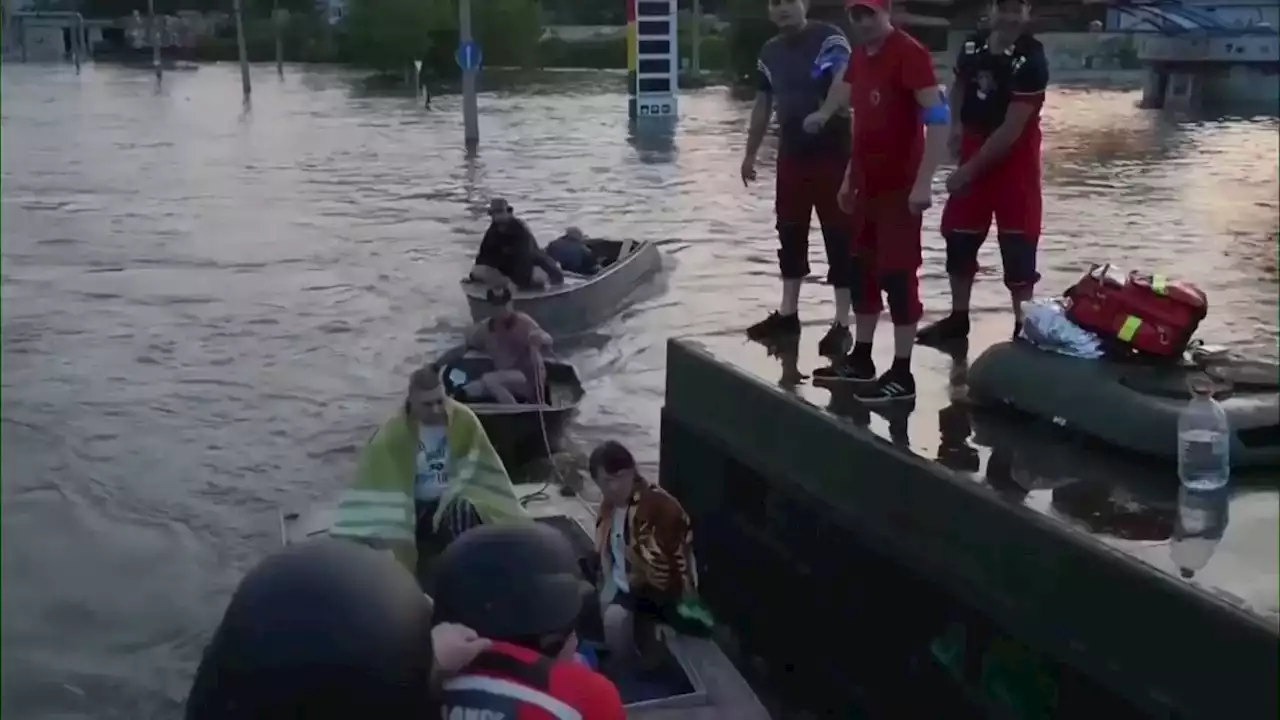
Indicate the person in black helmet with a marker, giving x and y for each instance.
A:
(521, 587)
(327, 629)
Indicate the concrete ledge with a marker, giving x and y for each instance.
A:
(735, 446)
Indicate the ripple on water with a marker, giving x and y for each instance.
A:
(207, 311)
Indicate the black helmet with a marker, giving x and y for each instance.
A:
(510, 582)
(324, 629)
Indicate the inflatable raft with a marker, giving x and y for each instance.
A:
(1132, 406)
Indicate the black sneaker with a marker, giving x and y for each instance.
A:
(893, 385)
(847, 369)
(775, 326)
(836, 342)
(950, 329)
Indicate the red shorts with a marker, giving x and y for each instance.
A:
(1008, 191)
(886, 234)
(887, 256)
(807, 184)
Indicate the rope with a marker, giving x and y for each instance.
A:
(539, 396)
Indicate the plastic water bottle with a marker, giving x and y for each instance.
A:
(1204, 443)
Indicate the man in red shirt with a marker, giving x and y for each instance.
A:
(999, 87)
(899, 138)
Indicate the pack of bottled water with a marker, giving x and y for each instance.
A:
(1045, 325)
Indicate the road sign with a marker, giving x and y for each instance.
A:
(417, 66)
(469, 56)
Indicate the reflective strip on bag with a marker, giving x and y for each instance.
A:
(1160, 284)
(1129, 328)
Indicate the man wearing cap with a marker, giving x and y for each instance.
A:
(899, 138)
(514, 342)
(510, 254)
(797, 75)
(1001, 75)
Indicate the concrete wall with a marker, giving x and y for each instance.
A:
(739, 453)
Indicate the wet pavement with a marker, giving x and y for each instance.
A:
(206, 309)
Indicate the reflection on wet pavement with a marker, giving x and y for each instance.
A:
(206, 310)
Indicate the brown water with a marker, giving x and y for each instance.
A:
(231, 301)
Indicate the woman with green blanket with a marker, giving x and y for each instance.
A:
(428, 475)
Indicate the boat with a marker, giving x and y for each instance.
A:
(695, 679)
(1130, 405)
(524, 432)
(583, 301)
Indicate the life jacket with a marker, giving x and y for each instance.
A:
(499, 686)
(1137, 314)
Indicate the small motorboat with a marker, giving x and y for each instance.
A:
(695, 680)
(523, 432)
(583, 301)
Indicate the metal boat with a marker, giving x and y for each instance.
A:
(583, 301)
(694, 681)
(523, 432)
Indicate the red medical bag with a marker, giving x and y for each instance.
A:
(1135, 313)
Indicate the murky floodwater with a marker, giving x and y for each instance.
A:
(207, 310)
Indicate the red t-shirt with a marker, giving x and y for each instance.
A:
(570, 684)
(888, 132)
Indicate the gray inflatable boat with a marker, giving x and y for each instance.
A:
(1132, 406)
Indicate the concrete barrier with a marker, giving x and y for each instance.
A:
(821, 535)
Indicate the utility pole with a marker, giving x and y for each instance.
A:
(695, 39)
(470, 105)
(277, 15)
(244, 52)
(154, 33)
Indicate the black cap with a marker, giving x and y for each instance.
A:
(499, 295)
(323, 629)
(510, 582)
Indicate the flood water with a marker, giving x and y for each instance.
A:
(207, 310)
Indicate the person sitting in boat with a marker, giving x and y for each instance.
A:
(515, 343)
(509, 254)
(328, 629)
(428, 475)
(645, 545)
(573, 253)
(522, 588)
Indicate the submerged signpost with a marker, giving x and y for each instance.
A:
(469, 58)
(653, 59)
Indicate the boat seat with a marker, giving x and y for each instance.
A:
(625, 250)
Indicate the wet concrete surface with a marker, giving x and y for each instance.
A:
(1126, 503)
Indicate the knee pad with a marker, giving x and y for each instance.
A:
(793, 250)
(962, 252)
(1018, 255)
(903, 291)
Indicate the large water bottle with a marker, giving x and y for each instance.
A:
(1204, 442)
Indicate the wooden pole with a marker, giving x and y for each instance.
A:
(244, 52)
(154, 27)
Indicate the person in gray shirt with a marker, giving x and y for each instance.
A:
(795, 76)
